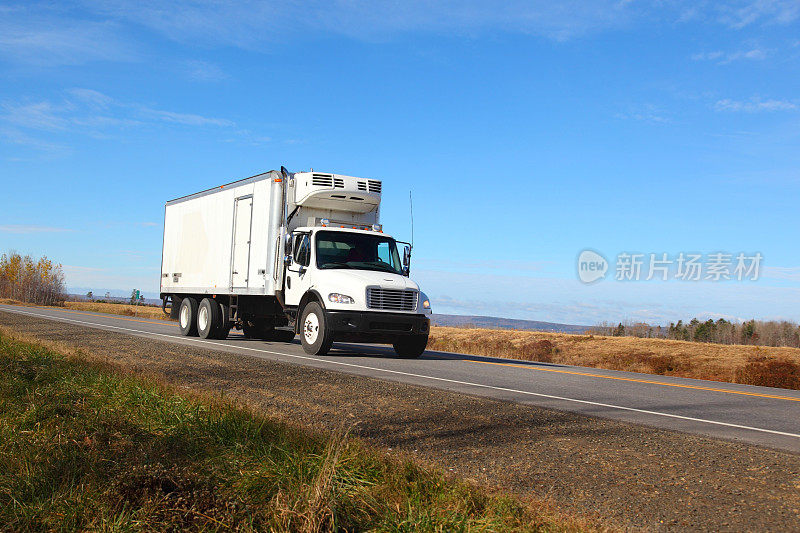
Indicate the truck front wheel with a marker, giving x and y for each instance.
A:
(315, 336)
(410, 347)
(187, 317)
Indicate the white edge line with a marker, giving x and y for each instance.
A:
(480, 385)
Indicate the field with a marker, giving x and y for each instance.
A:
(142, 311)
(85, 445)
(752, 365)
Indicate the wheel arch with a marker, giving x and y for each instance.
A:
(311, 295)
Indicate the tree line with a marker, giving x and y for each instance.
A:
(37, 281)
(720, 331)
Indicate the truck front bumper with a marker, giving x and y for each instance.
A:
(370, 326)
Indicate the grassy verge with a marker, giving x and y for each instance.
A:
(83, 446)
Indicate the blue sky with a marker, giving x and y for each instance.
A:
(528, 131)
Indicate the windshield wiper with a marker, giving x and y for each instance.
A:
(383, 267)
(336, 265)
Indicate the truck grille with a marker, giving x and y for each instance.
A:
(391, 299)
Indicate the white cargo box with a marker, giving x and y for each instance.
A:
(226, 240)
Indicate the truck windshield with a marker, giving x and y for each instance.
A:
(339, 249)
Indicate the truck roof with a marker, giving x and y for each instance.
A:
(257, 177)
(334, 227)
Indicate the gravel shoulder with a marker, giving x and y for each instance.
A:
(626, 476)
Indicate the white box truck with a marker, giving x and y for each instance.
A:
(280, 254)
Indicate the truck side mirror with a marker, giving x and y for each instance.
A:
(287, 245)
(406, 260)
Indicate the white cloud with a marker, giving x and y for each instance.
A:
(46, 33)
(252, 23)
(569, 301)
(783, 273)
(92, 97)
(645, 113)
(34, 115)
(707, 56)
(16, 137)
(26, 229)
(39, 35)
(740, 14)
(115, 280)
(88, 112)
(187, 119)
(754, 105)
(725, 58)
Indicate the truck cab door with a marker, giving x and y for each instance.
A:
(298, 275)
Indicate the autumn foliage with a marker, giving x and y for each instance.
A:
(30, 280)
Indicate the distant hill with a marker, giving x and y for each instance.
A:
(493, 322)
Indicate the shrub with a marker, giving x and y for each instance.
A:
(770, 372)
(34, 281)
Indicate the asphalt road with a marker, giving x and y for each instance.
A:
(754, 415)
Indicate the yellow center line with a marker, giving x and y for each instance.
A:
(647, 381)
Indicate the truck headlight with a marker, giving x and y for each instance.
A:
(426, 304)
(337, 298)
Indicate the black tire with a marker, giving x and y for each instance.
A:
(410, 347)
(187, 317)
(209, 319)
(175, 307)
(315, 336)
(224, 324)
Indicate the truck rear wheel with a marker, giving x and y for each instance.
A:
(315, 336)
(224, 323)
(411, 347)
(209, 319)
(187, 317)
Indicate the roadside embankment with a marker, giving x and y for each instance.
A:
(86, 445)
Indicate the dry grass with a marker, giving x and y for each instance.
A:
(119, 309)
(753, 365)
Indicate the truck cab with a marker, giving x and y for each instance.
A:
(360, 288)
